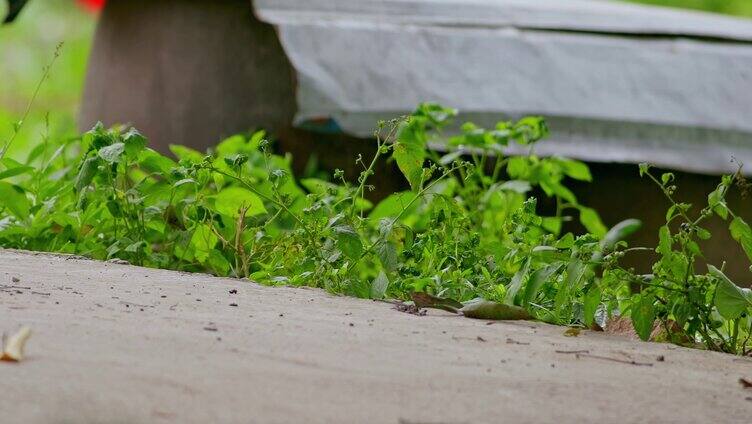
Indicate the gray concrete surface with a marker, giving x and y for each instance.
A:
(121, 344)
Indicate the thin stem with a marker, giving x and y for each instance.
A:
(45, 75)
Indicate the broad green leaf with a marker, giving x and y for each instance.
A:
(112, 153)
(575, 271)
(530, 129)
(553, 187)
(518, 186)
(134, 143)
(518, 167)
(620, 232)
(87, 173)
(229, 201)
(730, 299)
(393, 205)
(184, 181)
(742, 233)
(552, 224)
(537, 280)
(665, 242)
(591, 302)
(348, 241)
(232, 145)
(410, 151)
(14, 199)
(379, 286)
(575, 169)
(516, 284)
(643, 316)
(152, 161)
(317, 186)
(437, 114)
(218, 262)
(387, 253)
(15, 171)
(702, 233)
(494, 311)
(717, 201)
(186, 153)
(592, 222)
(202, 242)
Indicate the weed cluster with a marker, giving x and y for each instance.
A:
(468, 228)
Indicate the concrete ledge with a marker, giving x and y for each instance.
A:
(116, 343)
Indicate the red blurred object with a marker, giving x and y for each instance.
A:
(92, 5)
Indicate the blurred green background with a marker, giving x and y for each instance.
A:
(28, 45)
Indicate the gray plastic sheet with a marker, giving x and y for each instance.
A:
(617, 82)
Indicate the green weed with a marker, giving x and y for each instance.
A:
(468, 228)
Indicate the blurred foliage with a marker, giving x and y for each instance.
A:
(26, 47)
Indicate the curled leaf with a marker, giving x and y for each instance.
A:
(425, 300)
(494, 311)
(14, 348)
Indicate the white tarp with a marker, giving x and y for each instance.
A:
(617, 82)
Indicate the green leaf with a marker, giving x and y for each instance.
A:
(667, 178)
(644, 169)
(665, 242)
(717, 201)
(410, 151)
(87, 173)
(518, 186)
(518, 167)
(494, 311)
(592, 222)
(516, 284)
(620, 232)
(112, 153)
(15, 171)
(186, 153)
(14, 168)
(218, 262)
(537, 280)
(742, 233)
(393, 205)
(14, 199)
(348, 241)
(643, 316)
(575, 169)
(553, 187)
(575, 271)
(134, 143)
(730, 299)
(229, 201)
(379, 286)
(591, 302)
(202, 242)
(387, 254)
(152, 161)
(702, 233)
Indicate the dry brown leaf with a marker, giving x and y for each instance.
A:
(572, 332)
(14, 347)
